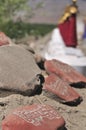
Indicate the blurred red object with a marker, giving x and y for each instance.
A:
(68, 31)
(34, 117)
(4, 40)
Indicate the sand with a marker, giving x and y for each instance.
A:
(75, 116)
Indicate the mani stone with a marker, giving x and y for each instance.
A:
(34, 117)
(18, 70)
(62, 90)
(65, 72)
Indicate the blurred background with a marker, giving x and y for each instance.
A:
(20, 18)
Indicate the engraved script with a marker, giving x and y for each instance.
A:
(64, 67)
(59, 86)
(36, 115)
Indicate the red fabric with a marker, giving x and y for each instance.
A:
(3, 39)
(68, 31)
(33, 117)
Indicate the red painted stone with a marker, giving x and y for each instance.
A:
(61, 88)
(34, 117)
(4, 40)
(64, 71)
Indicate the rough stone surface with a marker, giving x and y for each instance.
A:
(34, 117)
(18, 70)
(61, 89)
(64, 71)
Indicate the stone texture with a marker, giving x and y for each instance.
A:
(61, 89)
(34, 117)
(18, 70)
(64, 71)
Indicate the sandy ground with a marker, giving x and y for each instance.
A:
(75, 116)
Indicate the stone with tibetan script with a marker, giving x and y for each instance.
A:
(65, 72)
(62, 90)
(34, 117)
(18, 70)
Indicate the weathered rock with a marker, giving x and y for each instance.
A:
(18, 70)
(62, 90)
(34, 117)
(65, 72)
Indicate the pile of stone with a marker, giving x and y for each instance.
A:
(22, 72)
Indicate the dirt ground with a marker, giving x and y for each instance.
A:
(74, 116)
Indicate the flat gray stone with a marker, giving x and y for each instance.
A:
(18, 70)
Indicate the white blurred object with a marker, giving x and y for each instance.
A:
(73, 51)
(56, 37)
(80, 28)
(55, 46)
(56, 49)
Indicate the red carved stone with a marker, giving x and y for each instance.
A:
(34, 117)
(61, 89)
(64, 71)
